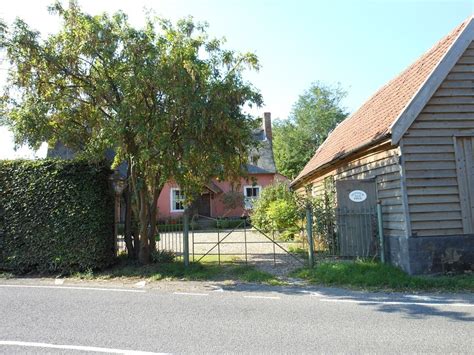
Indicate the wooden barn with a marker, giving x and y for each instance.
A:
(411, 147)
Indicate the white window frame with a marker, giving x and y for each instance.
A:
(248, 201)
(172, 200)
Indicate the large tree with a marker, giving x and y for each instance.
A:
(313, 116)
(165, 97)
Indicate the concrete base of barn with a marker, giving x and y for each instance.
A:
(429, 255)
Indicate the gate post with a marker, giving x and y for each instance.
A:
(309, 232)
(380, 228)
(186, 237)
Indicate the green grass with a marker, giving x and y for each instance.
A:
(376, 276)
(298, 250)
(211, 258)
(206, 271)
(5, 275)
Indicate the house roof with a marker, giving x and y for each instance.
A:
(374, 120)
(261, 159)
(212, 187)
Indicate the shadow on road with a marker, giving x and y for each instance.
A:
(420, 311)
(416, 306)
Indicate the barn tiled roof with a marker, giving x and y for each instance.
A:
(371, 122)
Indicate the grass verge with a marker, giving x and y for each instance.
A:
(5, 275)
(205, 271)
(371, 275)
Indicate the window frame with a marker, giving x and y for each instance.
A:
(251, 199)
(173, 202)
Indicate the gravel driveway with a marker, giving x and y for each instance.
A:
(260, 249)
(235, 245)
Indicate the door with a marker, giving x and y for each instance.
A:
(465, 175)
(355, 216)
(203, 205)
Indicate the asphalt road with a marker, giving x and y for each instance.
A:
(41, 317)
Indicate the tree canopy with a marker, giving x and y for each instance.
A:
(166, 97)
(315, 114)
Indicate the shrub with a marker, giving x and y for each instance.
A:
(276, 209)
(163, 256)
(324, 213)
(282, 214)
(57, 216)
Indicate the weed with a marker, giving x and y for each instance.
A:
(5, 275)
(88, 274)
(372, 275)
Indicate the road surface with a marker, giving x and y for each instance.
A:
(50, 317)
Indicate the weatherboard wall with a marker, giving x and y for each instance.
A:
(437, 188)
(383, 166)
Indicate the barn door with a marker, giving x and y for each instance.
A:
(465, 174)
(356, 221)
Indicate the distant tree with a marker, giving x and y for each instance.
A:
(165, 97)
(313, 116)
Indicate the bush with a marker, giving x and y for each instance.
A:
(324, 213)
(57, 216)
(163, 256)
(226, 223)
(276, 209)
(282, 214)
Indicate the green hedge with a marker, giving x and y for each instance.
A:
(55, 216)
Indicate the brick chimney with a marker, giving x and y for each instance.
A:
(267, 125)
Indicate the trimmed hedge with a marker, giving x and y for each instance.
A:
(55, 216)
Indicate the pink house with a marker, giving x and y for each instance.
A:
(214, 201)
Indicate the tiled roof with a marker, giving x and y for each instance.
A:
(261, 159)
(371, 122)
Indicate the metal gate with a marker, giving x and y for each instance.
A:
(356, 221)
(238, 241)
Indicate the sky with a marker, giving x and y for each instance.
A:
(360, 44)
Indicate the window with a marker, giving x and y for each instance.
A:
(251, 193)
(177, 200)
(254, 159)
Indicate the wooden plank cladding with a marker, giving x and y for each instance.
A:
(437, 152)
(383, 166)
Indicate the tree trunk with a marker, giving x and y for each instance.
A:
(128, 223)
(145, 206)
(144, 253)
(153, 217)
